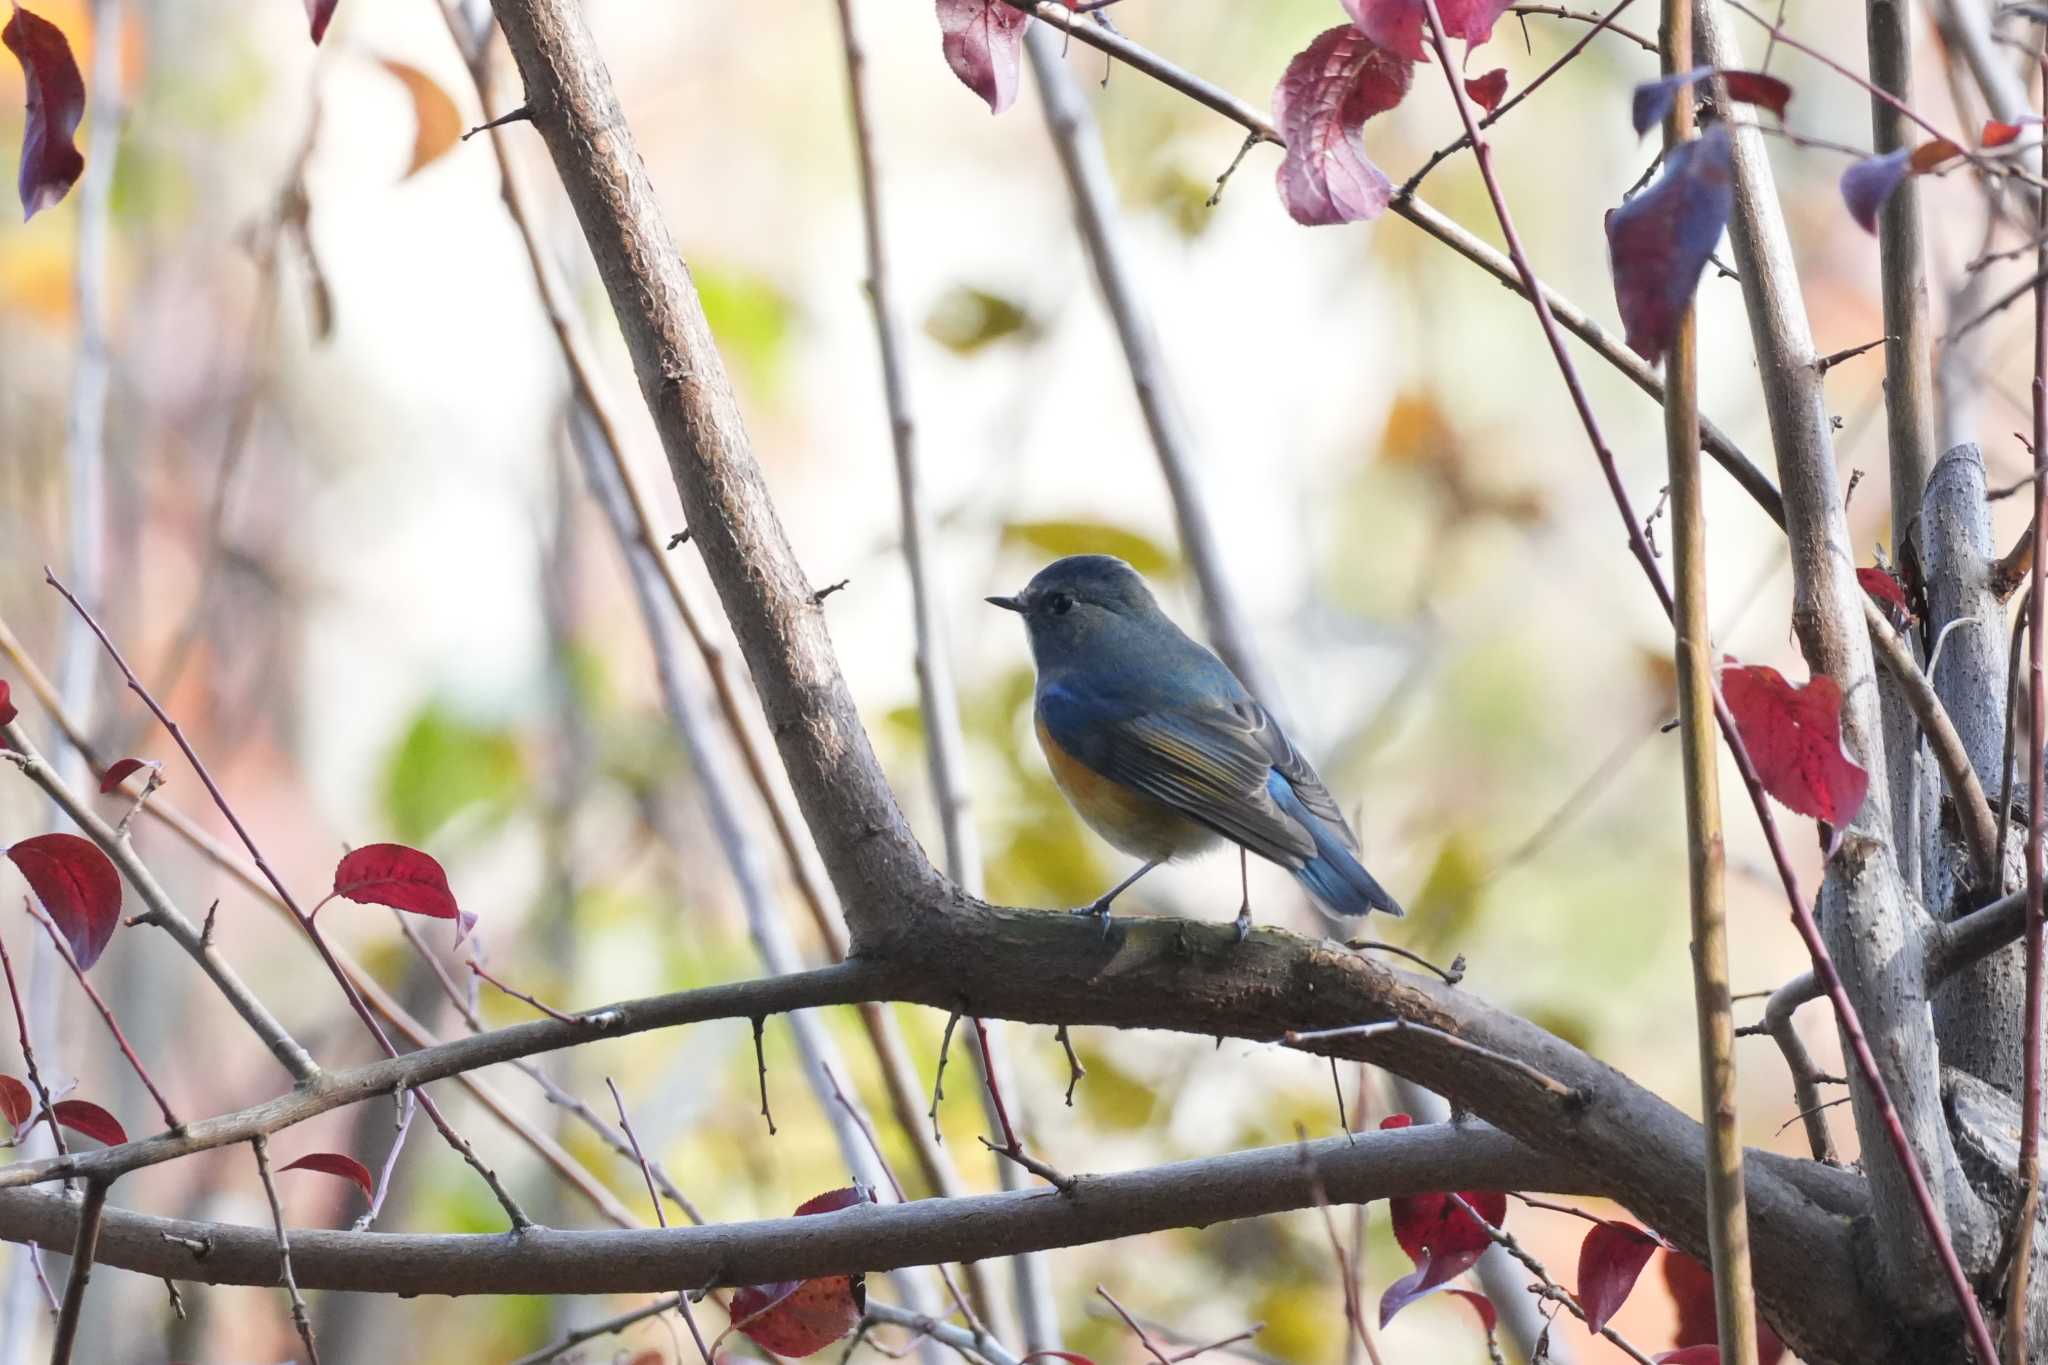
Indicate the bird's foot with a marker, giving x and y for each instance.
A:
(1100, 910)
(1244, 922)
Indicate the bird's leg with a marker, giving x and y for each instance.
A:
(1244, 910)
(1100, 909)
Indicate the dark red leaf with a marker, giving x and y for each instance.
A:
(50, 163)
(1692, 1292)
(334, 1163)
(78, 887)
(981, 39)
(119, 772)
(1322, 102)
(319, 14)
(1652, 100)
(800, 1317)
(1794, 736)
(1399, 25)
(15, 1101)
(1759, 88)
(83, 1116)
(833, 1200)
(1709, 1354)
(1486, 90)
(1659, 241)
(1610, 1259)
(394, 875)
(1439, 1236)
(1884, 587)
(1869, 182)
(7, 711)
(1997, 134)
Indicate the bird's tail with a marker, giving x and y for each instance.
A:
(1334, 876)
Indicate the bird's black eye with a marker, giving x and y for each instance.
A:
(1059, 604)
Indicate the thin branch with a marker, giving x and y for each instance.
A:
(1693, 651)
(1144, 1337)
(171, 1120)
(682, 1301)
(1354, 1316)
(84, 1248)
(45, 1104)
(604, 1328)
(1075, 1071)
(761, 1073)
(477, 969)
(454, 1139)
(1806, 1076)
(1551, 1289)
(407, 1106)
(300, 1318)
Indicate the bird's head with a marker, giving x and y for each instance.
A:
(1078, 600)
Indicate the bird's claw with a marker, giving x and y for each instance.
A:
(1100, 910)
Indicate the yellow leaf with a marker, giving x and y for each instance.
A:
(438, 124)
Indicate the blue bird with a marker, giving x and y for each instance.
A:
(1158, 746)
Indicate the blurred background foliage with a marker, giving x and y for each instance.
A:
(344, 537)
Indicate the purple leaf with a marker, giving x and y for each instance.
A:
(1610, 1259)
(981, 40)
(1486, 90)
(50, 163)
(1659, 241)
(1330, 89)
(1868, 183)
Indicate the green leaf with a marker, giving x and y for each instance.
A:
(966, 319)
(445, 765)
(1059, 538)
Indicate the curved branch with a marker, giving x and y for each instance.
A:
(1353, 1169)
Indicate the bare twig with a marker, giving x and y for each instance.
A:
(1144, 1337)
(1075, 1071)
(604, 1328)
(477, 969)
(407, 1106)
(682, 1301)
(63, 950)
(1354, 1316)
(44, 1102)
(84, 1248)
(1551, 1289)
(300, 1319)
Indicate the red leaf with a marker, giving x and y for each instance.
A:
(1929, 155)
(7, 711)
(83, 1116)
(1997, 134)
(1440, 1237)
(1610, 1259)
(1396, 1121)
(394, 875)
(1486, 90)
(833, 1200)
(981, 39)
(119, 772)
(1399, 25)
(1322, 102)
(1884, 587)
(50, 163)
(15, 1101)
(1869, 182)
(1692, 1292)
(1758, 88)
(1652, 100)
(319, 14)
(1794, 736)
(800, 1317)
(334, 1163)
(1659, 241)
(77, 885)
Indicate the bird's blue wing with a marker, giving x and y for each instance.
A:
(1212, 762)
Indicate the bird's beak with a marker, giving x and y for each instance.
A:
(1006, 603)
